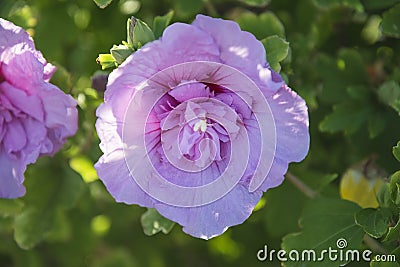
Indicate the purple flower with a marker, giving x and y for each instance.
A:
(198, 126)
(35, 116)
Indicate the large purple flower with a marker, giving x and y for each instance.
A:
(35, 116)
(198, 126)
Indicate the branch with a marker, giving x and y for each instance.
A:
(308, 191)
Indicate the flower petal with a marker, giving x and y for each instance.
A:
(11, 177)
(213, 219)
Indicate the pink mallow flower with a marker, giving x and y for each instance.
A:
(198, 126)
(35, 116)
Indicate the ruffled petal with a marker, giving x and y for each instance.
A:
(114, 173)
(11, 177)
(213, 219)
(21, 68)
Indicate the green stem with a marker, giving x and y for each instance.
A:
(308, 191)
(373, 244)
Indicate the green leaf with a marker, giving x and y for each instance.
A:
(345, 117)
(286, 196)
(394, 188)
(251, 22)
(375, 222)
(120, 53)
(396, 151)
(389, 93)
(185, 8)
(343, 76)
(391, 22)
(376, 124)
(383, 196)
(103, 3)
(46, 195)
(61, 229)
(277, 50)
(325, 222)
(139, 33)
(32, 225)
(153, 222)
(10, 207)
(381, 4)
(256, 3)
(354, 4)
(160, 23)
(393, 233)
(384, 264)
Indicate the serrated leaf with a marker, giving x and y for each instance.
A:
(160, 23)
(256, 3)
(153, 222)
(325, 221)
(345, 117)
(251, 22)
(393, 233)
(277, 50)
(391, 22)
(375, 222)
(396, 151)
(103, 3)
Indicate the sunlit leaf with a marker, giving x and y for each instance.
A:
(277, 50)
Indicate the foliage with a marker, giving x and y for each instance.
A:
(342, 57)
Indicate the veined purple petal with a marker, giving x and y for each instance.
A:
(199, 109)
(36, 117)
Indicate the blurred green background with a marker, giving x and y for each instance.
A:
(341, 56)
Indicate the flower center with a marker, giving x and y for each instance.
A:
(201, 125)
